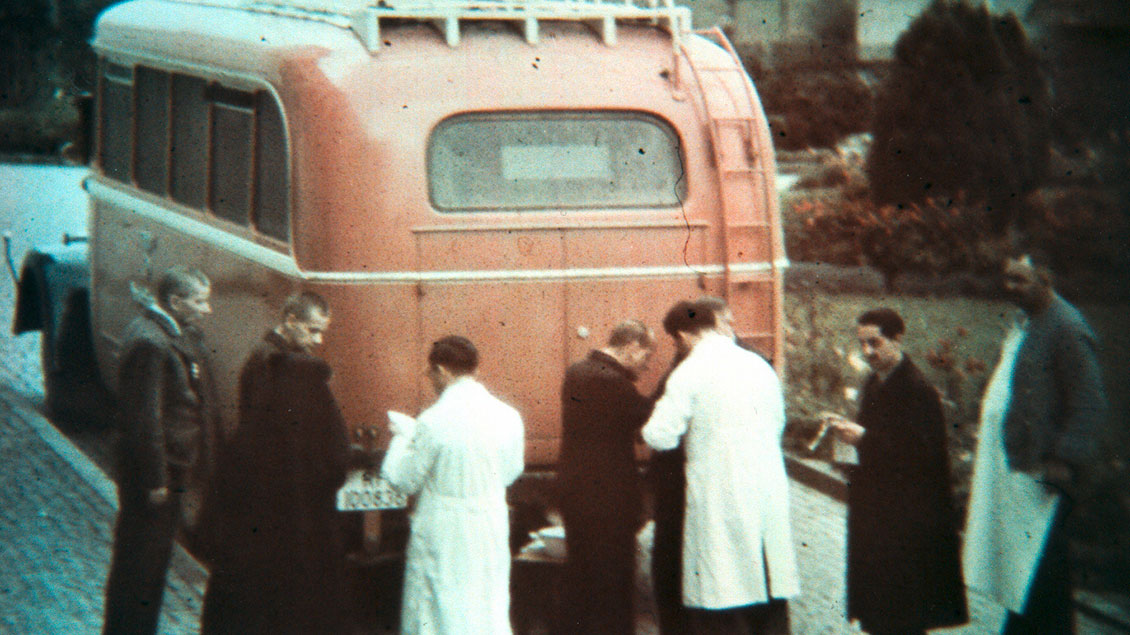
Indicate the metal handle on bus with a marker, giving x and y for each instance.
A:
(8, 258)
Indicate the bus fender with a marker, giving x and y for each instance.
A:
(48, 282)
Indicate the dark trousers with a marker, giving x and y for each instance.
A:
(667, 477)
(599, 576)
(667, 569)
(771, 618)
(143, 545)
(1049, 609)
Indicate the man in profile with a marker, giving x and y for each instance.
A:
(458, 459)
(1041, 416)
(161, 431)
(726, 405)
(904, 562)
(601, 499)
(276, 547)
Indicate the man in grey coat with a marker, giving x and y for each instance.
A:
(1040, 421)
(161, 431)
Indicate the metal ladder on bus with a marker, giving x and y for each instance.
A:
(736, 137)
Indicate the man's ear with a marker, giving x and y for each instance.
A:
(176, 304)
(684, 339)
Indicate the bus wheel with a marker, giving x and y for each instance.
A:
(73, 391)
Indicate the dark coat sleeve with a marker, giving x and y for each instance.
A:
(276, 477)
(329, 442)
(602, 413)
(912, 442)
(1081, 400)
(141, 386)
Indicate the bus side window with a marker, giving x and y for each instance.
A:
(189, 149)
(115, 143)
(272, 188)
(233, 127)
(205, 145)
(152, 97)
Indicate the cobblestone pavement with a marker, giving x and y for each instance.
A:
(57, 525)
(57, 511)
(819, 532)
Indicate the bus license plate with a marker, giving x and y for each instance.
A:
(366, 491)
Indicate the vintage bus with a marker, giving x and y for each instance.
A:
(523, 172)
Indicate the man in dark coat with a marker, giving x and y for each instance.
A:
(277, 552)
(161, 419)
(601, 499)
(904, 567)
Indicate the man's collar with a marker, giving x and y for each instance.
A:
(715, 337)
(277, 339)
(883, 376)
(274, 338)
(164, 319)
(603, 357)
(461, 380)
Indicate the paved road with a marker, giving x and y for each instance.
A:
(57, 507)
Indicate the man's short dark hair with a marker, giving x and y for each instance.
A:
(180, 282)
(712, 303)
(688, 317)
(454, 353)
(888, 320)
(630, 331)
(302, 305)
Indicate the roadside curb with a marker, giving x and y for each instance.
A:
(805, 472)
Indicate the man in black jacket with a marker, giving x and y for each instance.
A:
(904, 563)
(161, 418)
(601, 498)
(277, 552)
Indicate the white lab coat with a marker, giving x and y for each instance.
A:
(465, 450)
(727, 402)
(1010, 513)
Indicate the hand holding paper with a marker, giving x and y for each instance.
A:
(401, 424)
(846, 430)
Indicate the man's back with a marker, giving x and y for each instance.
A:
(601, 415)
(733, 390)
(728, 403)
(472, 441)
(466, 449)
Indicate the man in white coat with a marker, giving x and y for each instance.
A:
(739, 566)
(458, 458)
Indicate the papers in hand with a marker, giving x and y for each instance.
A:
(843, 452)
(401, 424)
(820, 434)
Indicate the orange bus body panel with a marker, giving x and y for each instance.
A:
(534, 289)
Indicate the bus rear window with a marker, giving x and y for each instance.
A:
(520, 161)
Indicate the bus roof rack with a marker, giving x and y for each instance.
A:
(364, 16)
